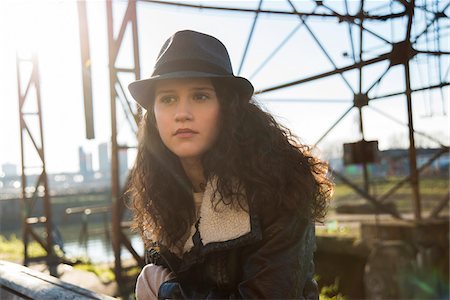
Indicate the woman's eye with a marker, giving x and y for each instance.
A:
(167, 99)
(201, 97)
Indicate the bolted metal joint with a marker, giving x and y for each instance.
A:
(401, 53)
(360, 100)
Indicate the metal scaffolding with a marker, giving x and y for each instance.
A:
(119, 97)
(401, 54)
(30, 115)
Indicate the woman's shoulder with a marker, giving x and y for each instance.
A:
(273, 214)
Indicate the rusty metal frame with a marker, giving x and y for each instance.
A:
(86, 69)
(28, 201)
(117, 93)
(132, 116)
(401, 54)
(393, 58)
(339, 18)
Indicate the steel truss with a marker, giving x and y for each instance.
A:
(130, 110)
(401, 54)
(29, 114)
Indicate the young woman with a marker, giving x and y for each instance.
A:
(224, 197)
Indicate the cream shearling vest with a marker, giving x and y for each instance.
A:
(218, 222)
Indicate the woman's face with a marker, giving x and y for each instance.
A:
(187, 115)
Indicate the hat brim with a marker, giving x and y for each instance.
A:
(143, 90)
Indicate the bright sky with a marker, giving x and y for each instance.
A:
(50, 28)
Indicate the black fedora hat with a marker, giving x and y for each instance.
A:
(190, 54)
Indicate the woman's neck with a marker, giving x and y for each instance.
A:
(194, 171)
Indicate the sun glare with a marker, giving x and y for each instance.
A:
(36, 26)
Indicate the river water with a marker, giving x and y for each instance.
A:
(99, 250)
(97, 247)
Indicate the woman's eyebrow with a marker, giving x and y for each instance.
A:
(164, 91)
(192, 89)
(202, 88)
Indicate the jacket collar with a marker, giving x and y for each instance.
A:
(219, 222)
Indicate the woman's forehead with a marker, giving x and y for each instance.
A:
(169, 84)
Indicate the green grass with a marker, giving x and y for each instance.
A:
(12, 249)
(104, 273)
(337, 229)
(330, 292)
(432, 190)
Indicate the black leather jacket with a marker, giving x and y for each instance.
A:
(273, 260)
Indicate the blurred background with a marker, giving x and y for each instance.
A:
(365, 82)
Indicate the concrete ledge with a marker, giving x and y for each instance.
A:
(19, 282)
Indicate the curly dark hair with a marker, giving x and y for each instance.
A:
(252, 153)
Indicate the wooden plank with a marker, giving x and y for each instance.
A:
(35, 285)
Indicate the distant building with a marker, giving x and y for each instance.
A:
(123, 161)
(9, 169)
(103, 158)
(85, 161)
(395, 162)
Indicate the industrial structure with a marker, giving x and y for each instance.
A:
(425, 20)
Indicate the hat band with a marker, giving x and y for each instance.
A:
(190, 65)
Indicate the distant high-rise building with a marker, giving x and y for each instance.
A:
(103, 158)
(85, 161)
(123, 161)
(9, 169)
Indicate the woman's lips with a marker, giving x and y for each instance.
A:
(185, 133)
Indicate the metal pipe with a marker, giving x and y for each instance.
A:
(361, 125)
(24, 211)
(115, 226)
(382, 57)
(412, 147)
(279, 12)
(249, 38)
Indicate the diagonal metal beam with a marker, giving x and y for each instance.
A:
(350, 32)
(320, 46)
(123, 27)
(406, 125)
(276, 12)
(326, 74)
(249, 38)
(436, 86)
(376, 203)
(353, 22)
(332, 126)
(126, 108)
(272, 54)
(439, 207)
(433, 20)
(33, 140)
(408, 178)
(275, 51)
(376, 82)
(127, 101)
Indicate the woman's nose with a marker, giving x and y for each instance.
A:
(183, 112)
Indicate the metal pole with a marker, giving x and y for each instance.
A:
(412, 147)
(24, 210)
(51, 257)
(361, 125)
(86, 69)
(115, 226)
